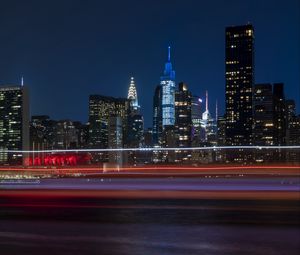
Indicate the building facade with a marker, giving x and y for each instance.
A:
(14, 123)
(239, 65)
(157, 117)
(183, 121)
(167, 82)
(100, 109)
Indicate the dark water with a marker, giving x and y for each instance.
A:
(111, 227)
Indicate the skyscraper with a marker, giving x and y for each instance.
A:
(263, 110)
(132, 95)
(183, 120)
(157, 116)
(115, 139)
(183, 115)
(209, 125)
(263, 114)
(239, 65)
(196, 120)
(279, 114)
(14, 123)
(167, 82)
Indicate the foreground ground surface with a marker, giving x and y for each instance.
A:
(162, 215)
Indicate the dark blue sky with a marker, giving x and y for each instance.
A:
(67, 50)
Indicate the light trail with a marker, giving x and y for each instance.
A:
(161, 170)
(158, 149)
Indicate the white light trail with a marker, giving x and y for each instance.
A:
(157, 149)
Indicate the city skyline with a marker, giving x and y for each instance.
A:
(196, 64)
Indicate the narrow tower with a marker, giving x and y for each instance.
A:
(167, 82)
(132, 95)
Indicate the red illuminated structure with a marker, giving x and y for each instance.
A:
(55, 159)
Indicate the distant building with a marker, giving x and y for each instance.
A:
(292, 131)
(279, 114)
(14, 123)
(263, 110)
(132, 96)
(115, 139)
(135, 137)
(290, 109)
(221, 139)
(167, 82)
(157, 116)
(66, 135)
(42, 132)
(263, 128)
(239, 68)
(293, 138)
(183, 121)
(221, 131)
(209, 126)
(196, 121)
(169, 141)
(148, 138)
(100, 109)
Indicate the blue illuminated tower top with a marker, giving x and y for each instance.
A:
(169, 73)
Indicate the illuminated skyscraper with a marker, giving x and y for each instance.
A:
(14, 123)
(183, 121)
(132, 95)
(196, 120)
(239, 57)
(167, 82)
(208, 125)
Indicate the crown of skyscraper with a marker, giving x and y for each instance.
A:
(132, 93)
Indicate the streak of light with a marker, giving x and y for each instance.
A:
(158, 149)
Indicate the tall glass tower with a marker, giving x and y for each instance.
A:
(167, 82)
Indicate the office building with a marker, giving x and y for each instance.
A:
(239, 65)
(183, 121)
(14, 123)
(100, 109)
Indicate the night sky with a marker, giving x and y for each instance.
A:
(67, 50)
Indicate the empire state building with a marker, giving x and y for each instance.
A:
(167, 82)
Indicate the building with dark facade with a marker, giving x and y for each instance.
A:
(263, 116)
(239, 75)
(239, 65)
(196, 120)
(263, 110)
(279, 114)
(157, 117)
(115, 139)
(14, 123)
(100, 109)
(42, 132)
(183, 121)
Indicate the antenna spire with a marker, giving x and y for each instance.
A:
(169, 54)
(22, 81)
(217, 110)
(206, 101)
